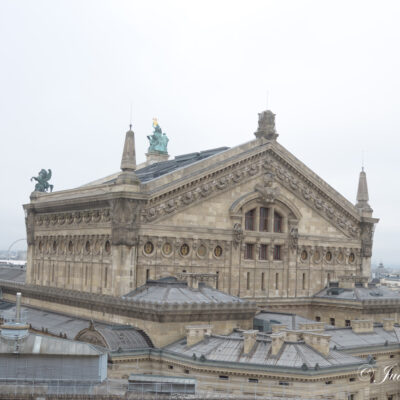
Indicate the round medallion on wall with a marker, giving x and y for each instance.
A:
(167, 248)
(328, 256)
(317, 256)
(184, 250)
(304, 255)
(202, 251)
(352, 257)
(218, 251)
(148, 248)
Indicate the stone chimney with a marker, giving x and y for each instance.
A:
(196, 333)
(388, 324)
(278, 328)
(250, 338)
(278, 339)
(128, 161)
(312, 326)
(362, 326)
(318, 341)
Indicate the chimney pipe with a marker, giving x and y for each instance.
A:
(18, 308)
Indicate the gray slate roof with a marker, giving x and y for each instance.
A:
(122, 338)
(40, 344)
(172, 291)
(292, 321)
(116, 336)
(16, 274)
(345, 338)
(293, 355)
(359, 293)
(156, 170)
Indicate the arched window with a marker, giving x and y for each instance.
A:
(278, 223)
(249, 218)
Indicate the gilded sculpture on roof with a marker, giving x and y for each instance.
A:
(158, 140)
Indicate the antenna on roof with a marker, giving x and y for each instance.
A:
(362, 160)
(130, 118)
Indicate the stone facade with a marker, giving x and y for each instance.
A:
(254, 216)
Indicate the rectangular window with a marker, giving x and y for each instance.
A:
(277, 223)
(249, 251)
(147, 274)
(303, 283)
(105, 277)
(277, 281)
(332, 321)
(223, 377)
(253, 380)
(262, 281)
(347, 322)
(217, 281)
(263, 219)
(318, 318)
(263, 252)
(277, 252)
(249, 219)
(248, 281)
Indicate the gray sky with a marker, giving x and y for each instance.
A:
(69, 71)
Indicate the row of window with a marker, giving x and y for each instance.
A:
(249, 252)
(263, 226)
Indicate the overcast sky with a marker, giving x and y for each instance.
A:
(69, 71)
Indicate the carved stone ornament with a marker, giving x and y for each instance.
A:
(294, 237)
(237, 234)
(268, 190)
(124, 221)
(367, 235)
(266, 126)
(30, 227)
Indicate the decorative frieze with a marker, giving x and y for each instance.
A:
(60, 246)
(73, 218)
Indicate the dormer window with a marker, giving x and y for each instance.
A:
(250, 217)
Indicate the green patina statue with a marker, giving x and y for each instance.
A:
(42, 180)
(158, 140)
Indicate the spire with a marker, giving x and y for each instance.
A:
(362, 193)
(128, 162)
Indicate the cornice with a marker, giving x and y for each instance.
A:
(152, 311)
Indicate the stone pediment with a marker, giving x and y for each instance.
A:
(265, 162)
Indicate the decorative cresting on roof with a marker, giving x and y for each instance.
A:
(128, 162)
(264, 164)
(266, 126)
(362, 193)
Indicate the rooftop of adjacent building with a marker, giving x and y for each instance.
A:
(110, 336)
(170, 290)
(358, 293)
(292, 354)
